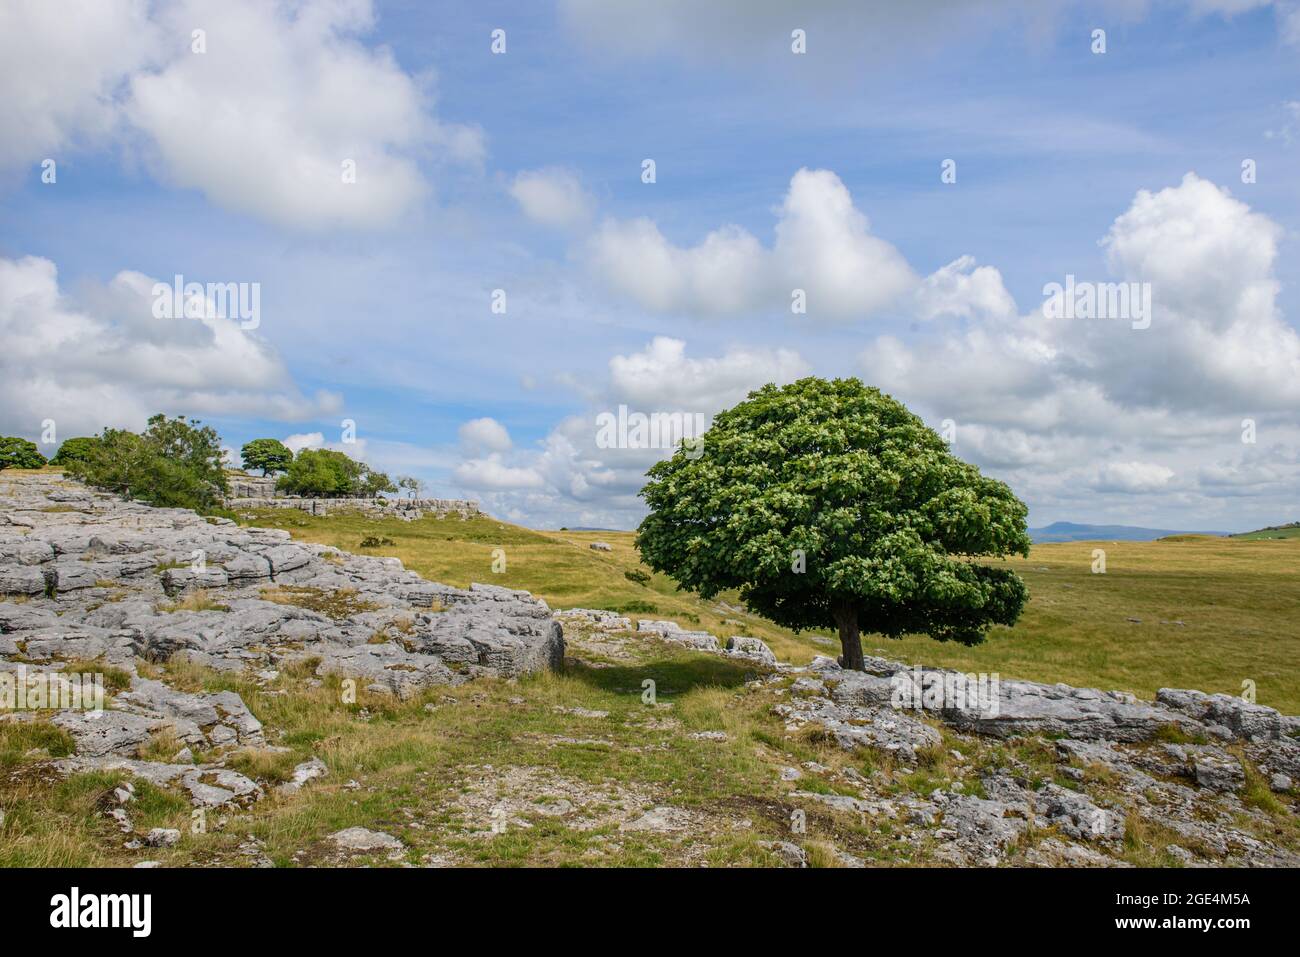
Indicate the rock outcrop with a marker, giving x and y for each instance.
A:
(87, 576)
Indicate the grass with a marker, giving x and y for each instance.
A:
(1272, 533)
(339, 604)
(430, 769)
(197, 600)
(1214, 612)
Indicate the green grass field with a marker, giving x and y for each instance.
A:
(1272, 533)
(1211, 613)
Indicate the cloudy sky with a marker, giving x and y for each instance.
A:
(462, 250)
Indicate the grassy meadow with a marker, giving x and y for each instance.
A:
(1185, 612)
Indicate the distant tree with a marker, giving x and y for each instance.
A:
(72, 450)
(174, 463)
(269, 455)
(373, 483)
(322, 473)
(16, 453)
(411, 484)
(829, 504)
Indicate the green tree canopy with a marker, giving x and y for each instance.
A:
(324, 473)
(269, 455)
(174, 463)
(373, 483)
(74, 449)
(16, 453)
(830, 505)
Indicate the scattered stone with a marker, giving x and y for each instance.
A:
(307, 771)
(753, 649)
(362, 840)
(792, 855)
(162, 837)
(659, 820)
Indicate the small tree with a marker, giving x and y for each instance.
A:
(74, 450)
(174, 463)
(269, 455)
(829, 504)
(411, 484)
(322, 472)
(373, 483)
(17, 453)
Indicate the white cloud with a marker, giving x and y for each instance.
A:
(304, 440)
(262, 122)
(485, 435)
(724, 274)
(823, 245)
(103, 359)
(286, 94)
(570, 475)
(964, 290)
(62, 67)
(662, 377)
(1134, 477)
(552, 197)
(1072, 406)
(492, 474)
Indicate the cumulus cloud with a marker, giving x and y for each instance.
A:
(1134, 477)
(823, 246)
(1069, 404)
(62, 68)
(570, 478)
(492, 474)
(662, 376)
(485, 435)
(304, 440)
(286, 115)
(285, 95)
(103, 359)
(553, 197)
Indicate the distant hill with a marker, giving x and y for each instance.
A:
(1074, 532)
(1289, 530)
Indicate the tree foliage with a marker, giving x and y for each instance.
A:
(174, 463)
(829, 504)
(269, 455)
(18, 453)
(74, 449)
(321, 473)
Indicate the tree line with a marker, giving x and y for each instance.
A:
(179, 463)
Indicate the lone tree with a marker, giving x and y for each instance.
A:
(19, 453)
(830, 505)
(269, 455)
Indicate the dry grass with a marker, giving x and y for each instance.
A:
(339, 604)
(197, 600)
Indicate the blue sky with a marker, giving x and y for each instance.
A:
(522, 172)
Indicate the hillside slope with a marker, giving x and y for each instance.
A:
(1205, 613)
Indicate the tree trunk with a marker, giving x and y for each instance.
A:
(846, 617)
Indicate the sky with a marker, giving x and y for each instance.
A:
(467, 233)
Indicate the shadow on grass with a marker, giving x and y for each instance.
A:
(672, 675)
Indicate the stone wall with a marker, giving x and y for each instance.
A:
(407, 509)
(256, 491)
(251, 486)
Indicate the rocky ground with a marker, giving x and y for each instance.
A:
(825, 768)
(89, 577)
